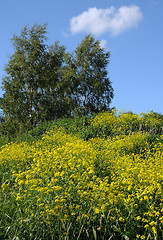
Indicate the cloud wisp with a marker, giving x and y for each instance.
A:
(103, 43)
(112, 20)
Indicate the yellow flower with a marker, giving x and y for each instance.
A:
(152, 223)
(154, 230)
(18, 197)
(142, 237)
(97, 210)
(138, 218)
(121, 219)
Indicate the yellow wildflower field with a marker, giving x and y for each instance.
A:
(63, 187)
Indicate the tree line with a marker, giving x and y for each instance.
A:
(44, 82)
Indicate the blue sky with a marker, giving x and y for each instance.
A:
(132, 30)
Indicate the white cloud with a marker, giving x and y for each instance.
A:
(99, 21)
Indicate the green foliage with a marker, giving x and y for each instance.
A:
(44, 82)
(104, 125)
(93, 87)
(34, 90)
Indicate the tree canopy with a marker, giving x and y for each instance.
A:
(93, 85)
(45, 82)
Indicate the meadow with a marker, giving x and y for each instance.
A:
(98, 177)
